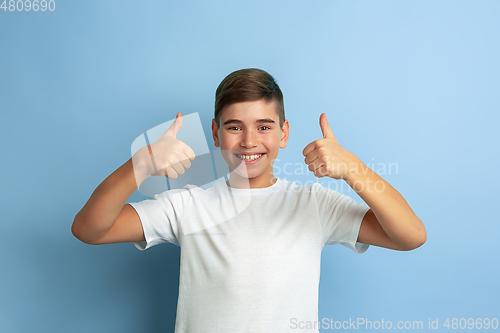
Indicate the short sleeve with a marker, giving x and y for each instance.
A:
(159, 217)
(340, 218)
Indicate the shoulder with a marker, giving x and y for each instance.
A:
(183, 195)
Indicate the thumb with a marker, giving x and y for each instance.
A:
(176, 125)
(325, 127)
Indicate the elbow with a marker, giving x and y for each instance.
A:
(422, 236)
(418, 240)
(76, 230)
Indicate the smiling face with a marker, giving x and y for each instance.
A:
(250, 138)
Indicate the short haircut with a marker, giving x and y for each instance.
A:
(250, 84)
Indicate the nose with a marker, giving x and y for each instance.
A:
(249, 139)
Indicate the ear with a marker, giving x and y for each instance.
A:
(284, 134)
(215, 134)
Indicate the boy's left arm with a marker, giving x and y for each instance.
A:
(390, 222)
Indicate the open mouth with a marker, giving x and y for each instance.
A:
(249, 158)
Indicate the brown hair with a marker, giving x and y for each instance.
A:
(250, 84)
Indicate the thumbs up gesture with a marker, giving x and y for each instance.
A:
(168, 156)
(326, 157)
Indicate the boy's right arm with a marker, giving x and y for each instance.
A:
(106, 218)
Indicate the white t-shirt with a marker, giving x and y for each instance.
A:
(250, 258)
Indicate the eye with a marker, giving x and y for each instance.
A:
(264, 127)
(233, 128)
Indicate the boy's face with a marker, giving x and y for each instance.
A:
(250, 137)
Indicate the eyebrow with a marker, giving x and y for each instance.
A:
(259, 121)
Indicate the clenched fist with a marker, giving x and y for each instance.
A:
(326, 157)
(167, 156)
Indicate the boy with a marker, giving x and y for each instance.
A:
(254, 268)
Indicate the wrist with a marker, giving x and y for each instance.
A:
(142, 164)
(355, 168)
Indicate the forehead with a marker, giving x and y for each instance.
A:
(250, 111)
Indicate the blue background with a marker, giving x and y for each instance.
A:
(409, 82)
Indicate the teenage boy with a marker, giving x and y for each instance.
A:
(257, 270)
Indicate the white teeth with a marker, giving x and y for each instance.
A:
(249, 157)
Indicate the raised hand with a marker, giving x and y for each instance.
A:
(326, 157)
(168, 156)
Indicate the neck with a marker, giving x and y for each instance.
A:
(237, 181)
